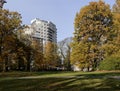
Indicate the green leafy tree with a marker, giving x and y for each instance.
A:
(92, 30)
(116, 15)
(110, 63)
(112, 48)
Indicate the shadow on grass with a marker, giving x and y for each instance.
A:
(99, 75)
(61, 84)
(90, 81)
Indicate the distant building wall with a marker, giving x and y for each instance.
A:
(45, 30)
(41, 31)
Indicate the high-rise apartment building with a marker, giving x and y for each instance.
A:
(44, 30)
(39, 32)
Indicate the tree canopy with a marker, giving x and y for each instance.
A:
(9, 23)
(93, 29)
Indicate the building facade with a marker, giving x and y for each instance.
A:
(44, 30)
(39, 32)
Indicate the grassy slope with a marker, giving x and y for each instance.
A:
(88, 81)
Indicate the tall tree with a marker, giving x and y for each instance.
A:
(51, 55)
(67, 63)
(92, 29)
(116, 6)
(116, 15)
(113, 46)
(27, 47)
(64, 50)
(9, 23)
(37, 54)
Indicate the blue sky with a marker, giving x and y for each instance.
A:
(60, 12)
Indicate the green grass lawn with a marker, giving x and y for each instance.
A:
(60, 81)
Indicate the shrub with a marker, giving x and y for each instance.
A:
(110, 63)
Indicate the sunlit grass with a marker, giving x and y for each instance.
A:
(58, 73)
(60, 81)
